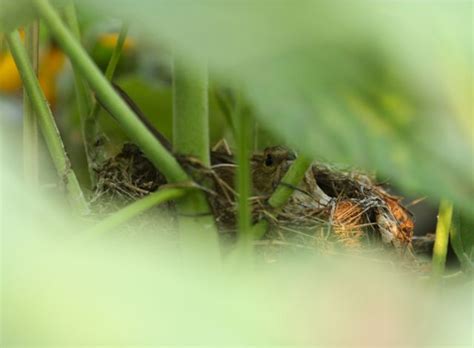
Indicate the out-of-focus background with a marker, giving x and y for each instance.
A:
(384, 87)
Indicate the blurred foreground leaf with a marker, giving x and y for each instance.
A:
(380, 85)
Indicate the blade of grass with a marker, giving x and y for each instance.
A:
(47, 124)
(191, 138)
(227, 106)
(30, 123)
(440, 249)
(135, 129)
(117, 52)
(136, 208)
(244, 138)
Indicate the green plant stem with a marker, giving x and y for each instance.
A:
(190, 109)
(47, 124)
(227, 107)
(440, 248)
(191, 138)
(291, 179)
(243, 176)
(83, 97)
(30, 123)
(130, 123)
(278, 199)
(259, 229)
(161, 196)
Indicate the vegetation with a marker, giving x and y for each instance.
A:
(295, 133)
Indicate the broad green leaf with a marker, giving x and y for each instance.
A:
(379, 85)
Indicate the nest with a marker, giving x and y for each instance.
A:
(329, 207)
(124, 178)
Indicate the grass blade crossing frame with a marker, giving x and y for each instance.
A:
(130, 123)
(47, 124)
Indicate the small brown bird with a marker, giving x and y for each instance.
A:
(269, 167)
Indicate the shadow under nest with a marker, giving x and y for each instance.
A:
(330, 210)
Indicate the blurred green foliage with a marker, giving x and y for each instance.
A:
(155, 100)
(385, 86)
(382, 86)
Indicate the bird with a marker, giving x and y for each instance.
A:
(267, 166)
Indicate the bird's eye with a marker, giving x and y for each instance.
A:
(269, 160)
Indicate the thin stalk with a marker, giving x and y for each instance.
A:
(30, 123)
(96, 151)
(457, 243)
(440, 248)
(130, 123)
(136, 208)
(191, 138)
(243, 176)
(47, 124)
(227, 107)
(278, 199)
(117, 52)
(83, 96)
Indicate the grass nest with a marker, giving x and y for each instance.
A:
(329, 210)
